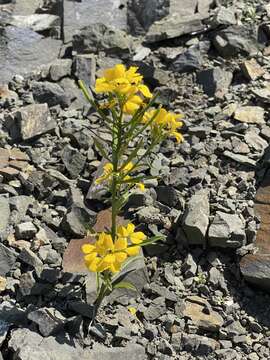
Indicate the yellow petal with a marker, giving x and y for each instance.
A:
(90, 257)
(145, 91)
(120, 244)
(132, 310)
(87, 248)
(120, 257)
(137, 237)
(130, 228)
(108, 242)
(141, 186)
(133, 250)
(110, 258)
(122, 231)
(92, 266)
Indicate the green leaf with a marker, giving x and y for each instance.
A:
(149, 241)
(125, 285)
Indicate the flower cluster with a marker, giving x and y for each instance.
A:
(105, 254)
(122, 174)
(164, 122)
(126, 84)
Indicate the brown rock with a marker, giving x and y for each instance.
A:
(3, 284)
(252, 70)
(201, 314)
(250, 114)
(9, 173)
(256, 267)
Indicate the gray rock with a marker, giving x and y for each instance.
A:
(27, 283)
(131, 352)
(192, 58)
(189, 266)
(78, 14)
(156, 309)
(60, 69)
(7, 259)
(77, 220)
(73, 160)
(49, 320)
(200, 345)
(29, 345)
(20, 203)
(215, 82)
(143, 13)
(234, 40)
(223, 16)
(227, 230)
(85, 68)
(26, 230)
(11, 313)
(4, 327)
(174, 26)
(34, 120)
(73, 93)
(50, 93)
(26, 7)
(168, 195)
(99, 37)
(255, 141)
(30, 258)
(15, 59)
(36, 22)
(241, 159)
(196, 218)
(4, 215)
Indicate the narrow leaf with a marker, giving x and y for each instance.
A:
(125, 285)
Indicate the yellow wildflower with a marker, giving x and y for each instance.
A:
(132, 310)
(165, 121)
(131, 236)
(108, 173)
(104, 254)
(126, 83)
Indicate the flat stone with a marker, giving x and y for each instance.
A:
(29, 345)
(226, 230)
(26, 230)
(26, 51)
(207, 321)
(7, 259)
(215, 82)
(60, 69)
(85, 12)
(85, 68)
(256, 267)
(30, 258)
(241, 159)
(131, 352)
(49, 320)
(4, 214)
(100, 37)
(26, 7)
(263, 94)
(196, 218)
(174, 26)
(3, 285)
(252, 70)
(36, 22)
(50, 93)
(73, 160)
(250, 114)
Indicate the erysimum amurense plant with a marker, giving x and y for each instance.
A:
(127, 112)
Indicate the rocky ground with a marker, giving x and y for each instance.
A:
(210, 60)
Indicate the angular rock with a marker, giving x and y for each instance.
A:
(7, 259)
(252, 70)
(131, 352)
(4, 215)
(36, 22)
(99, 37)
(49, 320)
(250, 114)
(256, 267)
(77, 220)
(26, 7)
(60, 69)
(85, 68)
(26, 230)
(199, 345)
(4, 327)
(241, 159)
(26, 51)
(192, 59)
(143, 13)
(78, 14)
(174, 26)
(73, 160)
(30, 258)
(234, 40)
(208, 320)
(215, 82)
(223, 16)
(255, 141)
(29, 345)
(227, 230)
(156, 309)
(50, 93)
(196, 218)
(34, 120)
